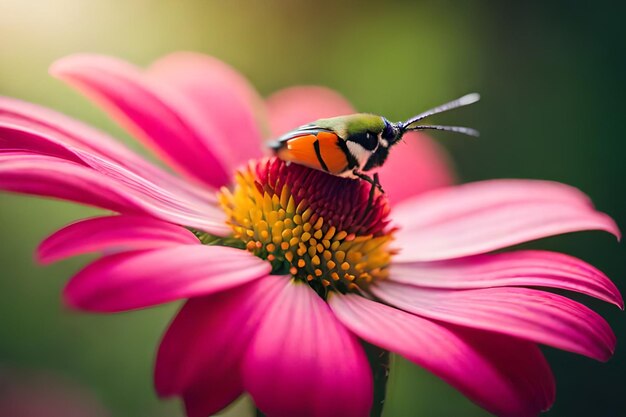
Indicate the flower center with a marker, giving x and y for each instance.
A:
(320, 228)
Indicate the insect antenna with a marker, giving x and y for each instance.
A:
(466, 100)
(457, 129)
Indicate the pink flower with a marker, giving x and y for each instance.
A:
(286, 269)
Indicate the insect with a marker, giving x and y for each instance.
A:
(348, 146)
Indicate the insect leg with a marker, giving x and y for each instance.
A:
(377, 183)
(374, 182)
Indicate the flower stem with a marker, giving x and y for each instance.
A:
(379, 363)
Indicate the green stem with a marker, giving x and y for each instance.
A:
(379, 363)
(259, 413)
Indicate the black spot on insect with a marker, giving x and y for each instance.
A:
(367, 140)
(377, 159)
(389, 133)
(318, 153)
(352, 162)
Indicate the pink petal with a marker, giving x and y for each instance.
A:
(27, 140)
(480, 217)
(223, 95)
(209, 396)
(162, 118)
(200, 355)
(504, 375)
(113, 234)
(520, 268)
(420, 157)
(530, 314)
(16, 138)
(303, 362)
(440, 205)
(144, 278)
(62, 131)
(69, 134)
(169, 199)
(52, 177)
(295, 106)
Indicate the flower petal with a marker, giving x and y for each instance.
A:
(225, 97)
(209, 396)
(480, 217)
(16, 138)
(420, 157)
(38, 129)
(295, 106)
(538, 316)
(504, 375)
(174, 201)
(139, 279)
(23, 139)
(52, 177)
(303, 362)
(476, 195)
(113, 234)
(166, 121)
(20, 138)
(200, 354)
(519, 268)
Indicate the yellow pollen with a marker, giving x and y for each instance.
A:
(340, 236)
(286, 230)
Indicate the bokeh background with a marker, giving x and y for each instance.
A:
(552, 79)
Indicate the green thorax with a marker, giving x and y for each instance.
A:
(353, 124)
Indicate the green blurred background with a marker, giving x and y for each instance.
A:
(551, 76)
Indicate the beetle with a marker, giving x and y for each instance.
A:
(348, 146)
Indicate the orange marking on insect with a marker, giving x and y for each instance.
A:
(301, 151)
(334, 157)
(304, 149)
(327, 136)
